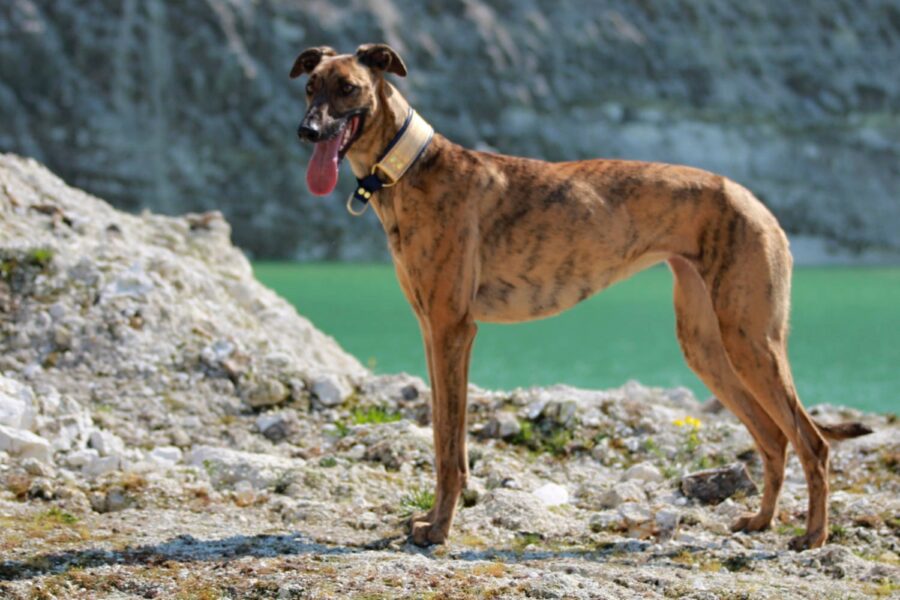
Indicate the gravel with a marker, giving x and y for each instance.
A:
(158, 474)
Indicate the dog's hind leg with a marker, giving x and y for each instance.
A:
(701, 343)
(750, 291)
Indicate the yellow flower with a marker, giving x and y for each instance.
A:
(690, 421)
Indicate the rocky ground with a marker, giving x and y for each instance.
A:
(171, 429)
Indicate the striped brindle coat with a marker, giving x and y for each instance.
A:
(478, 236)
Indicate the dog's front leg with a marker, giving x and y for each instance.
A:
(449, 347)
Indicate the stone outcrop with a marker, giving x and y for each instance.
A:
(135, 320)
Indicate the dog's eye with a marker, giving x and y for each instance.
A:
(309, 87)
(347, 89)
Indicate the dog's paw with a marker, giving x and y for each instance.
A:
(425, 533)
(815, 539)
(751, 522)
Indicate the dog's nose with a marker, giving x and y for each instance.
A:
(309, 131)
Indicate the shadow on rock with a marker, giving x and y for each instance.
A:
(184, 548)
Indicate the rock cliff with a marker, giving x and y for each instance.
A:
(187, 106)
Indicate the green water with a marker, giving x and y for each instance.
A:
(844, 343)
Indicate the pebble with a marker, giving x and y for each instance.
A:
(635, 515)
(267, 392)
(606, 520)
(628, 491)
(101, 466)
(329, 390)
(80, 458)
(715, 485)
(180, 437)
(644, 471)
(667, 521)
(552, 494)
(106, 443)
(504, 425)
(37, 468)
(274, 426)
(357, 452)
(166, 455)
(244, 494)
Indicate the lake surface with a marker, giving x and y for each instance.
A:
(844, 344)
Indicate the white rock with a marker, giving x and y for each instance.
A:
(264, 421)
(667, 521)
(64, 421)
(622, 492)
(552, 494)
(535, 409)
(16, 404)
(244, 494)
(23, 443)
(643, 472)
(37, 468)
(357, 452)
(638, 519)
(106, 443)
(518, 511)
(226, 466)
(635, 513)
(504, 425)
(79, 458)
(165, 455)
(330, 390)
(101, 466)
(606, 520)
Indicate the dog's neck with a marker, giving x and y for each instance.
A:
(383, 124)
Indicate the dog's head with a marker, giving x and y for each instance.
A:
(342, 95)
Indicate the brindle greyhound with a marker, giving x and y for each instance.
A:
(477, 236)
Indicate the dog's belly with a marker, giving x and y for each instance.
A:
(503, 296)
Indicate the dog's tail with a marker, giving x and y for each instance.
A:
(842, 431)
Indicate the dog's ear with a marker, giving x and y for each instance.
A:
(309, 59)
(381, 58)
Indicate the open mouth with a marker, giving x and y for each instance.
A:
(349, 132)
(322, 172)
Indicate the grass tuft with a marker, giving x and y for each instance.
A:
(55, 516)
(418, 498)
(374, 415)
(543, 439)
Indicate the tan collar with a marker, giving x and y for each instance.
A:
(401, 153)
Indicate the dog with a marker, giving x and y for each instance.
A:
(479, 236)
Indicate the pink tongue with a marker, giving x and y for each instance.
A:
(322, 172)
